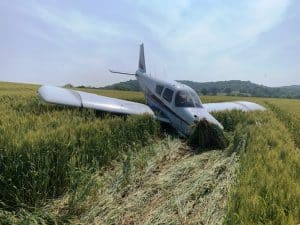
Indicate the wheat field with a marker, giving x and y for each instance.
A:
(63, 165)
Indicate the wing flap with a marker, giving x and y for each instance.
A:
(239, 105)
(62, 96)
(162, 119)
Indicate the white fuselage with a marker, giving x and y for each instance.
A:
(174, 102)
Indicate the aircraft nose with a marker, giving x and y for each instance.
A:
(199, 114)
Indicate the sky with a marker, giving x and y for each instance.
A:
(66, 41)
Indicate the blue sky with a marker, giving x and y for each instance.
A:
(58, 42)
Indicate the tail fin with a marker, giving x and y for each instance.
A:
(142, 65)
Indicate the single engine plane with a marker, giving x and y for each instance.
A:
(168, 101)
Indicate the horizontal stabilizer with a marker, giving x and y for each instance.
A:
(131, 74)
(62, 96)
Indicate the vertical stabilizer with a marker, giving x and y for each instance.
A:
(142, 65)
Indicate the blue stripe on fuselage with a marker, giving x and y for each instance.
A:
(158, 104)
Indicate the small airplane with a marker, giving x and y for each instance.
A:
(168, 101)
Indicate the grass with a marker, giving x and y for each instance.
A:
(206, 136)
(47, 150)
(65, 165)
(288, 117)
(167, 184)
(289, 105)
(267, 190)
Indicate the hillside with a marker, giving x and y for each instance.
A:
(231, 87)
(131, 85)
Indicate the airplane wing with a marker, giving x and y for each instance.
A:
(239, 105)
(62, 96)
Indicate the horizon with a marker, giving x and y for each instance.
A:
(73, 42)
(91, 86)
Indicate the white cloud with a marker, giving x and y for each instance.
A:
(226, 26)
(185, 38)
(203, 33)
(181, 26)
(66, 23)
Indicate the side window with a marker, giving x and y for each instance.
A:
(159, 89)
(168, 94)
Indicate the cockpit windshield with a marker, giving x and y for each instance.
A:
(196, 99)
(187, 99)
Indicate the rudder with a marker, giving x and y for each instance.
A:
(142, 64)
